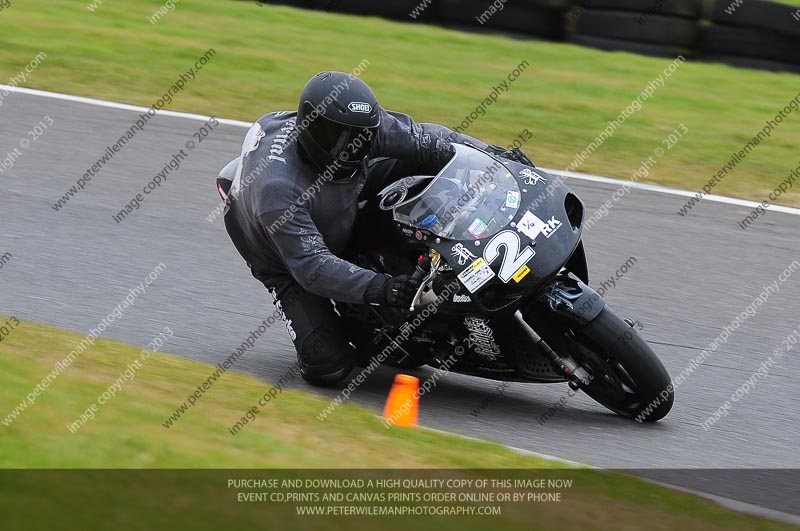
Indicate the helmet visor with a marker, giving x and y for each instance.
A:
(340, 141)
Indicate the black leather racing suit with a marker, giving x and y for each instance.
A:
(291, 223)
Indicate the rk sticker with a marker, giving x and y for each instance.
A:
(531, 226)
(476, 275)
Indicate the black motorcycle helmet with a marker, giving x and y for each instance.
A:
(337, 120)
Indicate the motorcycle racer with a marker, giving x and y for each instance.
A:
(292, 222)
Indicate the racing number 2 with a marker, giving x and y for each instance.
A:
(513, 259)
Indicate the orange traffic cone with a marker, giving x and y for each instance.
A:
(402, 406)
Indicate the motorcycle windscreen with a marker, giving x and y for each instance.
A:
(473, 197)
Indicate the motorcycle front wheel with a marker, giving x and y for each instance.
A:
(626, 375)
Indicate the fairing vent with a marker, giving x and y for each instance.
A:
(574, 208)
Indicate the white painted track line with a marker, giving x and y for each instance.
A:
(672, 191)
(571, 175)
(115, 105)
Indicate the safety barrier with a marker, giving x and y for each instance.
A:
(750, 33)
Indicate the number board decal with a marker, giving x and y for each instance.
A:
(513, 259)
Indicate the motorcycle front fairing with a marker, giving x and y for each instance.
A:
(506, 229)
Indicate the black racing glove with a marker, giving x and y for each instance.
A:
(392, 291)
(515, 154)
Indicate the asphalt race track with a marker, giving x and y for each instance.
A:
(693, 276)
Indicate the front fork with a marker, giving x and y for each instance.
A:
(568, 366)
(569, 297)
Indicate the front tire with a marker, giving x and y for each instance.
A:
(627, 376)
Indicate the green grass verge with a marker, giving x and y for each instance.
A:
(127, 432)
(566, 97)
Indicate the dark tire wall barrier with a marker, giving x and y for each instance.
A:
(677, 8)
(750, 43)
(756, 34)
(753, 34)
(641, 48)
(521, 17)
(657, 29)
(758, 14)
(752, 63)
(394, 9)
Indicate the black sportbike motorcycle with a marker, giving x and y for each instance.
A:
(504, 289)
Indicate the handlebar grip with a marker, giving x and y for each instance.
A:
(422, 269)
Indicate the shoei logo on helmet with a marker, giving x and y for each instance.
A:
(360, 106)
